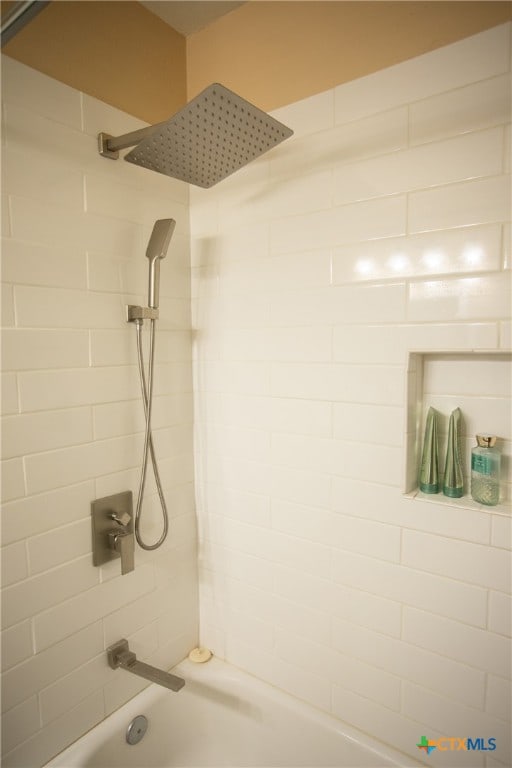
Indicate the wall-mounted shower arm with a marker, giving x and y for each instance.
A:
(109, 146)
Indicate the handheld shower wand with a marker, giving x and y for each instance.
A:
(156, 251)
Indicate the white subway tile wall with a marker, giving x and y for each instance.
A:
(75, 229)
(379, 230)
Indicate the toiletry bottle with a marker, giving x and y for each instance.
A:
(485, 471)
(429, 472)
(453, 483)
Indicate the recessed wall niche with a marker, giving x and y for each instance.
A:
(479, 383)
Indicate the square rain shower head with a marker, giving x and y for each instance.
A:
(213, 136)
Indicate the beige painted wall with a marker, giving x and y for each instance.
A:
(275, 53)
(118, 52)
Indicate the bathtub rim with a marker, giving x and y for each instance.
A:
(220, 673)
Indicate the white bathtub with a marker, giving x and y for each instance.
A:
(224, 717)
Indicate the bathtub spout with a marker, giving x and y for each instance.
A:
(119, 655)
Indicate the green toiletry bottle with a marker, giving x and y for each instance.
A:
(485, 471)
(429, 471)
(453, 481)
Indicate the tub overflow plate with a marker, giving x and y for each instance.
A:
(136, 730)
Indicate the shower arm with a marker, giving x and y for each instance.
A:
(109, 146)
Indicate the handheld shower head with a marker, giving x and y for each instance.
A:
(157, 250)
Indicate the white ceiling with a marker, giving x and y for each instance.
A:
(188, 16)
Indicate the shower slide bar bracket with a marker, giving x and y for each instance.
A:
(119, 655)
(137, 314)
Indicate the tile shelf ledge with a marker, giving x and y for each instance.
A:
(464, 502)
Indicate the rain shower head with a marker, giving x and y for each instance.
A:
(214, 135)
(157, 250)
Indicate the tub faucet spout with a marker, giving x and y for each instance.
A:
(119, 655)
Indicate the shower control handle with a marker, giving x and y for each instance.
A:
(123, 543)
(123, 518)
(113, 530)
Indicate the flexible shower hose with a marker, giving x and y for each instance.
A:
(147, 399)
